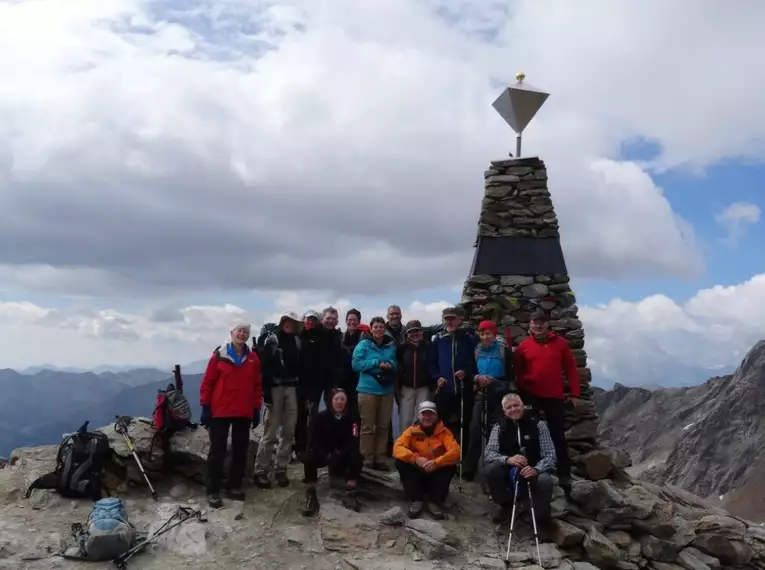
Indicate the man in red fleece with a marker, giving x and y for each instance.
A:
(540, 361)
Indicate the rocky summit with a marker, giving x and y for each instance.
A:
(610, 521)
(707, 439)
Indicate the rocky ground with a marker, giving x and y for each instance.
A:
(608, 523)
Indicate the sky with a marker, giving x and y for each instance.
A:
(168, 168)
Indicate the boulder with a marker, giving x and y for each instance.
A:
(657, 549)
(728, 551)
(432, 539)
(599, 549)
(566, 535)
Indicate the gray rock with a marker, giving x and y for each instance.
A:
(535, 291)
(710, 561)
(490, 563)
(566, 535)
(501, 180)
(584, 566)
(657, 549)
(393, 517)
(728, 551)
(432, 539)
(516, 280)
(550, 554)
(599, 549)
(688, 561)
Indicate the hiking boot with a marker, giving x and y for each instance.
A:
(262, 480)
(311, 505)
(281, 479)
(384, 467)
(502, 515)
(235, 494)
(350, 502)
(415, 509)
(437, 511)
(214, 500)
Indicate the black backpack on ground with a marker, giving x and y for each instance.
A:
(80, 463)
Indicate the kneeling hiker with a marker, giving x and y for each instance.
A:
(426, 455)
(520, 445)
(333, 441)
(230, 395)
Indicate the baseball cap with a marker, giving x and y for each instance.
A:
(414, 325)
(451, 312)
(312, 315)
(289, 316)
(488, 325)
(427, 406)
(540, 316)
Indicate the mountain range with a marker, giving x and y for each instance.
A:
(708, 439)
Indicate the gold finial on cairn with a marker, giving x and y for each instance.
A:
(520, 76)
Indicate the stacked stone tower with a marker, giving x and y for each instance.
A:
(519, 267)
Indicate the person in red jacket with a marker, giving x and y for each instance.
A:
(231, 397)
(540, 361)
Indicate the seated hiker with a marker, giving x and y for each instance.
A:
(230, 395)
(374, 358)
(281, 371)
(333, 441)
(520, 449)
(414, 382)
(494, 378)
(426, 455)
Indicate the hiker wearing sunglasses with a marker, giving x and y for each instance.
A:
(231, 398)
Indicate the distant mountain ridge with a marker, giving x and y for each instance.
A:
(28, 403)
(708, 439)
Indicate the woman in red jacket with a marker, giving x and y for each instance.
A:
(231, 397)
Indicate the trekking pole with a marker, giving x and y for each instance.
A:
(514, 479)
(182, 513)
(484, 430)
(462, 430)
(534, 522)
(121, 427)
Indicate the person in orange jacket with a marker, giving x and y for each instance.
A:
(231, 396)
(426, 457)
(540, 362)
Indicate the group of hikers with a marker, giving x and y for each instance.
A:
(462, 395)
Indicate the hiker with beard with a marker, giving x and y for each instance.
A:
(540, 362)
(374, 359)
(426, 454)
(520, 448)
(415, 385)
(231, 397)
(495, 377)
(333, 442)
(348, 378)
(314, 376)
(452, 365)
(281, 378)
(394, 327)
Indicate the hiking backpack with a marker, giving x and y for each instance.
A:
(80, 462)
(172, 411)
(106, 535)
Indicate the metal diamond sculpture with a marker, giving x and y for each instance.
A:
(517, 105)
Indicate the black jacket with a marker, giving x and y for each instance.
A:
(334, 357)
(348, 378)
(329, 434)
(529, 447)
(314, 362)
(413, 366)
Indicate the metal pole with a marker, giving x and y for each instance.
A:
(518, 146)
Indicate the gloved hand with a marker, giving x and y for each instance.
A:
(255, 418)
(204, 420)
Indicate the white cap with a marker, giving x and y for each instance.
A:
(289, 316)
(314, 314)
(427, 406)
(241, 325)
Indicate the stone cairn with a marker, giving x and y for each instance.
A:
(517, 203)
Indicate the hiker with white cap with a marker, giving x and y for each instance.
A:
(230, 395)
(315, 376)
(281, 378)
(426, 458)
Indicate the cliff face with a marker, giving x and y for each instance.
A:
(709, 439)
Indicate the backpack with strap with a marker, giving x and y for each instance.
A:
(106, 535)
(172, 411)
(80, 462)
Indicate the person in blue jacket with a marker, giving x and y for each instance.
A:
(495, 377)
(374, 358)
(452, 367)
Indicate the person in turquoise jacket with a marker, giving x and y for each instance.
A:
(375, 361)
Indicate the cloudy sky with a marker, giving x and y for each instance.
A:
(168, 167)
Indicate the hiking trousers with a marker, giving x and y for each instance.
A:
(282, 412)
(448, 405)
(421, 486)
(346, 463)
(411, 398)
(553, 411)
(498, 480)
(216, 458)
(477, 427)
(376, 412)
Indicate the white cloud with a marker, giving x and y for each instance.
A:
(318, 135)
(736, 217)
(658, 340)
